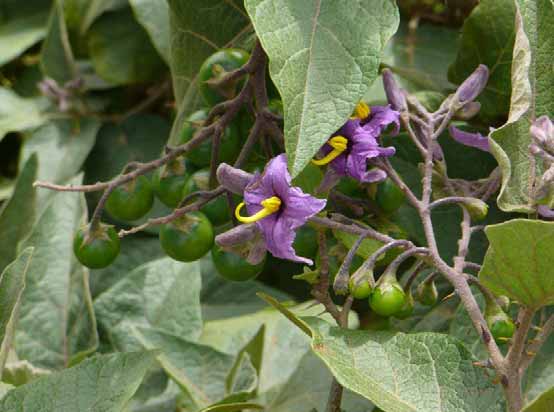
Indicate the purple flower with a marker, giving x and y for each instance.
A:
(278, 208)
(474, 84)
(476, 140)
(357, 142)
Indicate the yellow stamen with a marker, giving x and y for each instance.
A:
(270, 206)
(361, 111)
(339, 145)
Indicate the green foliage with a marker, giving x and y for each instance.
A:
(518, 262)
(532, 97)
(56, 307)
(12, 284)
(131, 60)
(21, 26)
(110, 381)
(18, 213)
(316, 102)
(393, 369)
(18, 114)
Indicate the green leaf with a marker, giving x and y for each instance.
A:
(21, 26)
(12, 284)
(62, 147)
(234, 407)
(193, 40)
(539, 377)
(131, 59)
(18, 214)
(97, 7)
(541, 404)
(488, 38)
(291, 378)
(57, 59)
(200, 370)
(104, 383)
(223, 299)
(18, 114)
(532, 96)
(57, 325)
(4, 389)
(19, 373)
(162, 294)
(401, 372)
(153, 15)
(135, 251)
(323, 55)
(518, 263)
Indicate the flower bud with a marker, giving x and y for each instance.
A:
(542, 130)
(233, 179)
(388, 297)
(394, 95)
(468, 110)
(477, 209)
(476, 140)
(244, 240)
(426, 293)
(473, 85)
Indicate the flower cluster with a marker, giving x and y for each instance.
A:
(351, 150)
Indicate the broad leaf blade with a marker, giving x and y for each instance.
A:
(541, 404)
(532, 96)
(57, 59)
(200, 370)
(12, 283)
(104, 383)
(18, 213)
(57, 324)
(401, 372)
(22, 26)
(18, 114)
(519, 262)
(153, 15)
(133, 60)
(162, 294)
(324, 55)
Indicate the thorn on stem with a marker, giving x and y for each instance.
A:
(504, 380)
(450, 296)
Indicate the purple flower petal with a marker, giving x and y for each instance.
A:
(476, 140)
(545, 211)
(381, 117)
(542, 129)
(279, 229)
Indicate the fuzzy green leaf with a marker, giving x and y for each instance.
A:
(57, 324)
(104, 383)
(18, 213)
(532, 96)
(162, 294)
(323, 55)
(401, 372)
(18, 114)
(153, 15)
(518, 263)
(12, 284)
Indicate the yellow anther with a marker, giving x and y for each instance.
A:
(361, 111)
(270, 206)
(339, 145)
